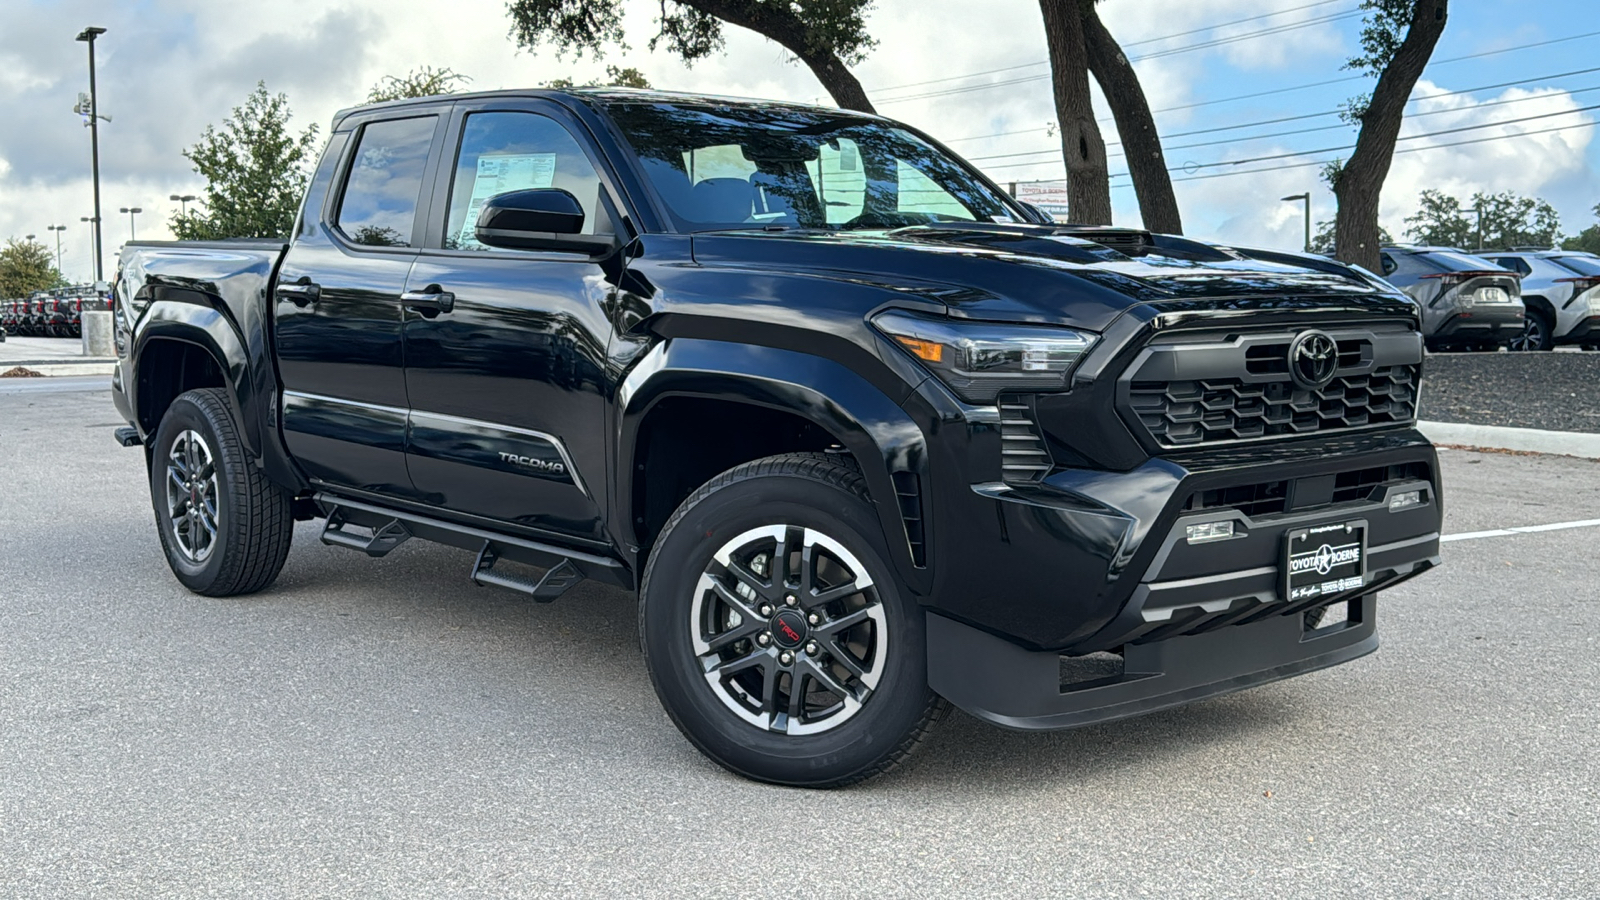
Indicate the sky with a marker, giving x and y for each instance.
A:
(167, 68)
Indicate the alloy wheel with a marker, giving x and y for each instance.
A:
(1532, 336)
(192, 496)
(789, 630)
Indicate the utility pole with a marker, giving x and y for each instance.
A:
(1479, 210)
(133, 234)
(88, 35)
(57, 229)
(1306, 197)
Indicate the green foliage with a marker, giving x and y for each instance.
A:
(255, 172)
(27, 266)
(1330, 174)
(1509, 220)
(1588, 239)
(692, 29)
(615, 77)
(1322, 242)
(1383, 30)
(421, 82)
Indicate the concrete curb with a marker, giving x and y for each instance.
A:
(64, 365)
(1529, 440)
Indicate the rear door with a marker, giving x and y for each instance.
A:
(509, 387)
(337, 310)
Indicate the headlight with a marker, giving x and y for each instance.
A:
(978, 360)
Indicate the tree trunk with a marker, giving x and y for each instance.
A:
(1135, 125)
(1088, 182)
(777, 23)
(1360, 183)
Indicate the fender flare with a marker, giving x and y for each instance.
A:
(880, 435)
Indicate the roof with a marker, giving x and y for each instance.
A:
(604, 95)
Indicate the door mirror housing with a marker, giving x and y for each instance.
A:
(538, 219)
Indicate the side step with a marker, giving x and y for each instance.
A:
(557, 580)
(383, 538)
(127, 436)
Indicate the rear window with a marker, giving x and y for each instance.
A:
(1460, 262)
(1583, 265)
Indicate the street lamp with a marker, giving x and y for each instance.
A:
(1307, 198)
(185, 200)
(93, 229)
(57, 229)
(131, 211)
(87, 36)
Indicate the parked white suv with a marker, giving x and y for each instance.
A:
(1561, 290)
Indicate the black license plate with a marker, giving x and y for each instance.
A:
(1325, 560)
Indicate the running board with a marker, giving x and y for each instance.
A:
(385, 526)
(384, 537)
(557, 580)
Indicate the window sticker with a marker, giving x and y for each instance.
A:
(499, 173)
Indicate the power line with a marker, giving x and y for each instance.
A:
(1164, 37)
(1257, 137)
(1234, 39)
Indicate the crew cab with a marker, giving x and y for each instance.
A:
(866, 436)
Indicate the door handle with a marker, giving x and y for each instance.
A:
(301, 293)
(429, 299)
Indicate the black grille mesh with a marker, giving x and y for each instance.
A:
(1192, 413)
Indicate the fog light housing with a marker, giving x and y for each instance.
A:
(1404, 500)
(1209, 531)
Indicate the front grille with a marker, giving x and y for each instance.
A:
(1195, 390)
(1185, 413)
(1023, 455)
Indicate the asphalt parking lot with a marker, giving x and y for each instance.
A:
(381, 728)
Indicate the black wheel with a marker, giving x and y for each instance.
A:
(225, 528)
(1538, 332)
(775, 632)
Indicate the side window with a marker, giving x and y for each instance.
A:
(517, 151)
(380, 196)
(1388, 264)
(1521, 265)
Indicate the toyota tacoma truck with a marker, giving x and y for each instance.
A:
(867, 437)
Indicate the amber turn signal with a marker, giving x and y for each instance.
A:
(928, 351)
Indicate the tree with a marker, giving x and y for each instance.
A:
(255, 172)
(1587, 240)
(1397, 38)
(1082, 146)
(1507, 220)
(1322, 241)
(1141, 144)
(27, 266)
(615, 77)
(1439, 222)
(421, 82)
(828, 36)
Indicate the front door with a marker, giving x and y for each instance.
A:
(508, 385)
(340, 355)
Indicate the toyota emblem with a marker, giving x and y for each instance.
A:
(1313, 357)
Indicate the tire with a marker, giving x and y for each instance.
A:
(686, 606)
(228, 534)
(1538, 332)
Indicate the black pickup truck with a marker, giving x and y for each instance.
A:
(866, 436)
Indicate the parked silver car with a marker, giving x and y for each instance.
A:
(1561, 290)
(1467, 302)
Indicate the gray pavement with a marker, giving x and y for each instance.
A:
(380, 728)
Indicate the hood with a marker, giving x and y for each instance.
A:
(1039, 273)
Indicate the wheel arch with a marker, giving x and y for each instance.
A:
(786, 401)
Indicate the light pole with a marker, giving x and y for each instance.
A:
(1479, 227)
(57, 229)
(94, 244)
(132, 211)
(1306, 197)
(88, 35)
(185, 200)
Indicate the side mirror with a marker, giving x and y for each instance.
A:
(538, 219)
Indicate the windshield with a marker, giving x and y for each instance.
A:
(1583, 265)
(731, 167)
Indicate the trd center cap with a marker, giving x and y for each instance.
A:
(788, 629)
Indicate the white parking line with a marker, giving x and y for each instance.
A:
(1524, 529)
